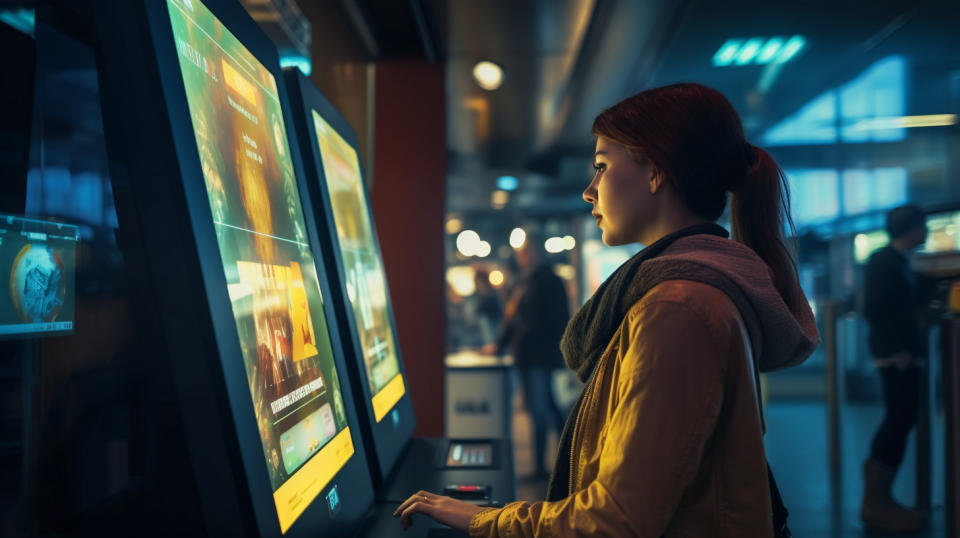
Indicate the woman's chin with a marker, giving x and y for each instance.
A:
(610, 239)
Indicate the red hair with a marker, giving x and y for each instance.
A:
(693, 136)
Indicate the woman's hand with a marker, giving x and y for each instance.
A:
(446, 510)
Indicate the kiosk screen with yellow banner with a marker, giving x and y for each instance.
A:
(267, 259)
(363, 268)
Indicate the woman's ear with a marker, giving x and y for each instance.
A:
(656, 181)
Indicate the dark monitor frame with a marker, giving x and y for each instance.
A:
(175, 264)
(386, 440)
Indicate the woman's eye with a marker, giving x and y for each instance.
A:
(599, 167)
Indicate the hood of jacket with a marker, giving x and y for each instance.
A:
(781, 336)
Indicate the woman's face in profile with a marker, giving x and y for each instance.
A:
(620, 193)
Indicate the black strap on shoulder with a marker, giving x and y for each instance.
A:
(780, 512)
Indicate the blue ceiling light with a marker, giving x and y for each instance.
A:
(749, 50)
(758, 51)
(727, 52)
(793, 46)
(507, 183)
(301, 63)
(770, 50)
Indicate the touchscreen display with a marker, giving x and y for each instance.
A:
(267, 259)
(363, 267)
(38, 264)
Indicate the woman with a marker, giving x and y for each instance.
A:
(667, 437)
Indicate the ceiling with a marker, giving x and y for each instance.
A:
(566, 60)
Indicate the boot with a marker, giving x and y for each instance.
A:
(880, 512)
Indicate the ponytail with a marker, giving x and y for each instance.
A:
(760, 219)
(693, 135)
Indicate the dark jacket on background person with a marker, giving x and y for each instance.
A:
(890, 305)
(668, 440)
(533, 330)
(489, 307)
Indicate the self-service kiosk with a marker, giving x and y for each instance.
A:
(227, 244)
(479, 470)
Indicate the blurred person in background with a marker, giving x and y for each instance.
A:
(667, 436)
(534, 318)
(897, 341)
(455, 318)
(485, 307)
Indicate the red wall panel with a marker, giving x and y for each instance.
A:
(409, 184)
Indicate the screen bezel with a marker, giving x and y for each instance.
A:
(386, 439)
(352, 480)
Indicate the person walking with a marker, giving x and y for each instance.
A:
(898, 345)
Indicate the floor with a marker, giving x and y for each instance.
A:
(797, 452)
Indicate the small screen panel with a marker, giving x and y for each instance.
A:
(469, 455)
(267, 259)
(38, 262)
(363, 268)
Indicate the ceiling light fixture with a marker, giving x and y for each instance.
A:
(928, 120)
(758, 51)
(749, 50)
(507, 183)
(770, 50)
(793, 46)
(488, 75)
(727, 52)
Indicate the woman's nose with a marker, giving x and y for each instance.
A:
(590, 195)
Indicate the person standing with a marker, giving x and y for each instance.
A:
(534, 319)
(485, 307)
(897, 343)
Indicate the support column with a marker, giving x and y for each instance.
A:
(409, 191)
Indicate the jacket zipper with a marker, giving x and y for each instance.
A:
(576, 428)
(576, 425)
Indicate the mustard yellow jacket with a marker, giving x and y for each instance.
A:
(669, 439)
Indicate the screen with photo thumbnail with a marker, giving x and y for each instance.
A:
(267, 259)
(38, 265)
(363, 267)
